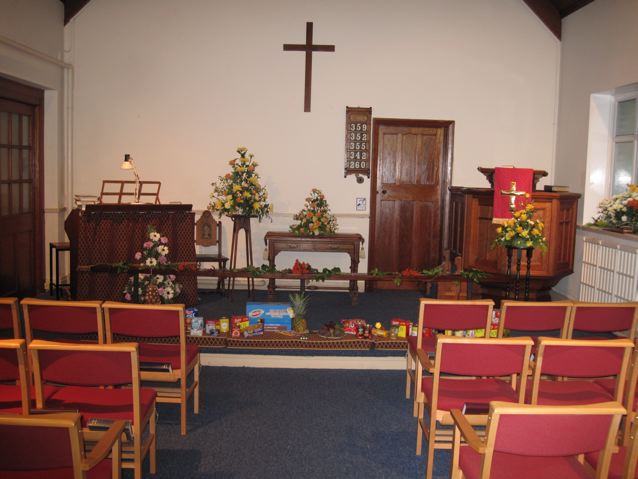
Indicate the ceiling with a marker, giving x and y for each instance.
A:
(551, 12)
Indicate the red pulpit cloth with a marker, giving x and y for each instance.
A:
(503, 178)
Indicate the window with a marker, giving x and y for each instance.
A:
(624, 164)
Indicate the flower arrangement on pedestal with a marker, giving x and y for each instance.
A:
(239, 192)
(522, 230)
(153, 288)
(315, 218)
(619, 211)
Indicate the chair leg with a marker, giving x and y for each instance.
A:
(431, 443)
(415, 403)
(196, 392)
(408, 367)
(183, 408)
(419, 432)
(152, 453)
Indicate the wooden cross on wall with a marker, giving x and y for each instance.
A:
(308, 47)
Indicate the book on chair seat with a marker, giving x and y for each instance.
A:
(156, 367)
(475, 408)
(102, 424)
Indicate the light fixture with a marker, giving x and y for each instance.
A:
(128, 164)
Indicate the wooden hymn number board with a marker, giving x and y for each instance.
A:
(358, 132)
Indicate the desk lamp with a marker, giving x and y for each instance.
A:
(128, 164)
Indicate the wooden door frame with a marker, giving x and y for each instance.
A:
(21, 93)
(446, 174)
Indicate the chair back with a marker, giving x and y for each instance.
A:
(144, 320)
(453, 315)
(58, 319)
(13, 369)
(548, 431)
(208, 231)
(583, 358)
(41, 443)
(604, 318)
(535, 316)
(9, 322)
(492, 357)
(80, 364)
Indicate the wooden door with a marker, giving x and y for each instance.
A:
(21, 244)
(411, 170)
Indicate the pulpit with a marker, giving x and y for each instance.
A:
(113, 233)
(471, 234)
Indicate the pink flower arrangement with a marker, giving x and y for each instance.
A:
(154, 253)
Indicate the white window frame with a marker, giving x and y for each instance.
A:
(624, 139)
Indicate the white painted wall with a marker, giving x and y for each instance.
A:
(599, 48)
(180, 85)
(31, 52)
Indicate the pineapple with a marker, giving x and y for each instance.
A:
(299, 303)
(152, 295)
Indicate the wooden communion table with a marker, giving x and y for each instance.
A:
(278, 241)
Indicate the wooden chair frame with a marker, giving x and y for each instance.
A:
(508, 305)
(485, 447)
(578, 305)
(26, 303)
(109, 443)
(214, 238)
(543, 342)
(23, 381)
(442, 439)
(11, 305)
(410, 358)
(172, 395)
(133, 452)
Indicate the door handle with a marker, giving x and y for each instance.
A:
(383, 192)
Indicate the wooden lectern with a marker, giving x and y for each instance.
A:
(112, 233)
(471, 234)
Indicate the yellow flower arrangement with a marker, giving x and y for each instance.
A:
(522, 230)
(239, 192)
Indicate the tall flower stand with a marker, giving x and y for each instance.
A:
(517, 278)
(241, 222)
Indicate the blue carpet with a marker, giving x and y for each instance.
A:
(291, 423)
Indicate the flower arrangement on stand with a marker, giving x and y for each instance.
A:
(315, 218)
(620, 211)
(153, 288)
(239, 192)
(522, 230)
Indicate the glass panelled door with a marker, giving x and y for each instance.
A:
(17, 199)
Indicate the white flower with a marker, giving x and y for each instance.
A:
(154, 236)
(159, 278)
(163, 250)
(624, 218)
(151, 262)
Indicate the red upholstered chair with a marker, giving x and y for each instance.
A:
(51, 446)
(536, 442)
(604, 318)
(14, 380)
(565, 370)
(441, 315)
(149, 324)
(533, 316)
(9, 321)
(71, 320)
(624, 461)
(101, 381)
(466, 370)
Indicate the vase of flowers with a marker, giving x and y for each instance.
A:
(522, 230)
(315, 218)
(239, 192)
(620, 211)
(153, 288)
